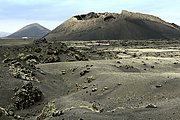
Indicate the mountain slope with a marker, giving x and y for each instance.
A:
(4, 34)
(34, 30)
(108, 26)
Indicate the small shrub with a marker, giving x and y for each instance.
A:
(48, 111)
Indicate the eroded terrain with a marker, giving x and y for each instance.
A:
(123, 79)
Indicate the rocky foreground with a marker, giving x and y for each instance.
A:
(90, 80)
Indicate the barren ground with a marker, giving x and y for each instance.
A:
(109, 80)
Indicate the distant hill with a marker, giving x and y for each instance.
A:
(114, 26)
(34, 30)
(4, 34)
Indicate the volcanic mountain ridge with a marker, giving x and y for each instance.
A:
(114, 26)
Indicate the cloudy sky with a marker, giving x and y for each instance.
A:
(15, 14)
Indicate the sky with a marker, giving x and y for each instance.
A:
(15, 14)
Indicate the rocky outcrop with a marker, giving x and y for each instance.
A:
(26, 96)
(22, 72)
(93, 15)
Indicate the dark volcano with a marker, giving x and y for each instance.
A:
(114, 26)
(34, 30)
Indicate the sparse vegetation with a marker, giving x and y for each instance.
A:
(49, 110)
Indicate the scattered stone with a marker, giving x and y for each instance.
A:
(105, 88)
(119, 84)
(42, 72)
(88, 66)
(21, 56)
(31, 62)
(63, 72)
(78, 86)
(74, 69)
(14, 62)
(7, 60)
(118, 62)
(3, 111)
(134, 55)
(37, 50)
(90, 79)
(78, 57)
(82, 73)
(128, 67)
(175, 63)
(10, 113)
(96, 107)
(85, 87)
(94, 89)
(18, 117)
(152, 66)
(49, 51)
(158, 86)
(151, 106)
(29, 57)
(57, 113)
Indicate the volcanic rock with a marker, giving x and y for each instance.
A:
(26, 96)
(151, 106)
